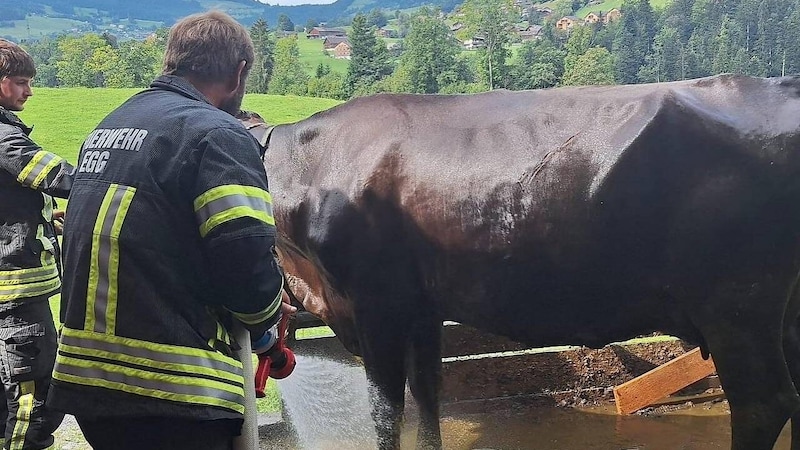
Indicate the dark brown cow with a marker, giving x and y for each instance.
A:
(563, 216)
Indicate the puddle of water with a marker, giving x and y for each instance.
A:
(327, 403)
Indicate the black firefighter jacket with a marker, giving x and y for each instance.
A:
(29, 178)
(169, 231)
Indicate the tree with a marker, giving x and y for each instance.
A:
(329, 85)
(45, 54)
(311, 23)
(791, 33)
(668, 60)
(285, 23)
(539, 65)
(376, 18)
(634, 37)
(264, 63)
(492, 20)
(430, 51)
(369, 59)
(580, 40)
(76, 67)
(726, 44)
(596, 66)
(288, 76)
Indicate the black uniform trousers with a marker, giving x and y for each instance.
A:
(28, 344)
(158, 433)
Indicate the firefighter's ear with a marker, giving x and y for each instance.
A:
(238, 80)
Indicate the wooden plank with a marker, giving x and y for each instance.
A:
(662, 381)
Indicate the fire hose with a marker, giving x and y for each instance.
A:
(277, 363)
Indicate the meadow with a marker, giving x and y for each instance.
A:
(63, 117)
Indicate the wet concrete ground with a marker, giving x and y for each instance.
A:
(701, 427)
(326, 408)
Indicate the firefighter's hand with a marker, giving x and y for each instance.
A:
(58, 221)
(286, 306)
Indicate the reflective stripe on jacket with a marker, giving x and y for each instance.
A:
(29, 177)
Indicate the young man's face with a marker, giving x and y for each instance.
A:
(14, 92)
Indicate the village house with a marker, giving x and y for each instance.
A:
(342, 50)
(567, 22)
(531, 33)
(385, 33)
(330, 43)
(592, 17)
(322, 33)
(475, 42)
(612, 15)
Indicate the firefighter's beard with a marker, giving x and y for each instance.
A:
(232, 104)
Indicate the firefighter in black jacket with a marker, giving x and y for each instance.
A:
(168, 237)
(29, 266)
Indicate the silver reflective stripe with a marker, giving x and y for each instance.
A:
(38, 167)
(232, 201)
(141, 352)
(107, 375)
(102, 288)
(29, 289)
(103, 259)
(28, 275)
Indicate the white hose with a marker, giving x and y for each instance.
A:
(248, 440)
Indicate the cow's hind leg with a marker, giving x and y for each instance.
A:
(424, 379)
(384, 346)
(747, 346)
(791, 349)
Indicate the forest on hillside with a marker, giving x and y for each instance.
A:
(686, 39)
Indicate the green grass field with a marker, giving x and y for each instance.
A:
(312, 54)
(611, 4)
(64, 117)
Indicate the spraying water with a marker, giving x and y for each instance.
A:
(327, 402)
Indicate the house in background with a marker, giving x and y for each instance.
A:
(567, 22)
(322, 33)
(385, 32)
(612, 15)
(330, 43)
(531, 33)
(475, 42)
(592, 17)
(342, 50)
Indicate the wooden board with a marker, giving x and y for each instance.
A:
(662, 381)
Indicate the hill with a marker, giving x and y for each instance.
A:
(32, 19)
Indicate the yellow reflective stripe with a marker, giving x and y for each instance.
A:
(23, 416)
(234, 213)
(94, 265)
(46, 171)
(151, 350)
(20, 276)
(17, 291)
(26, 172)
(266, 313)
(189, 369)
(224, 203)
(139, 390)
(156, 370)
(113, 269)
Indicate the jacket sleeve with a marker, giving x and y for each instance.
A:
(34, 167)
(233, 210)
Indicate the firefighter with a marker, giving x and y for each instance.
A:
(29, 260)
(169, 236)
